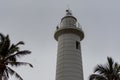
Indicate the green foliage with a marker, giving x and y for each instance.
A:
(110, 71)
(8, 56)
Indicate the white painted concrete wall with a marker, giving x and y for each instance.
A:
(69, 60)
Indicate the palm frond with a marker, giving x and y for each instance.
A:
(6, 73)
(19, 54)
(7, 42)
(12, 72)
(5, 78)
(16, 64)
(20, 43)
(1, 37)
(5, 46)
(9, 54)
(22, 53)
(116, 67)
(13, 49)
(14, 59)
(110, 71)
(97, 77)
(100, 69)
(110, 63)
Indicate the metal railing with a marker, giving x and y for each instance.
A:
(77, 25)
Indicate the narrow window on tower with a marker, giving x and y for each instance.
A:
(77, 45)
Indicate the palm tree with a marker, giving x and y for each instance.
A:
(9, 54)
(110, 71)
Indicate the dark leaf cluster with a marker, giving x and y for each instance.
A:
(9, 53)
(110, 71)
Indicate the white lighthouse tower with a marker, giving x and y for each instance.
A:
(69, 60)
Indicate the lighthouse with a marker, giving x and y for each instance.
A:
(69, 59)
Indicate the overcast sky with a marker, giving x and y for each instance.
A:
(35, 21)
